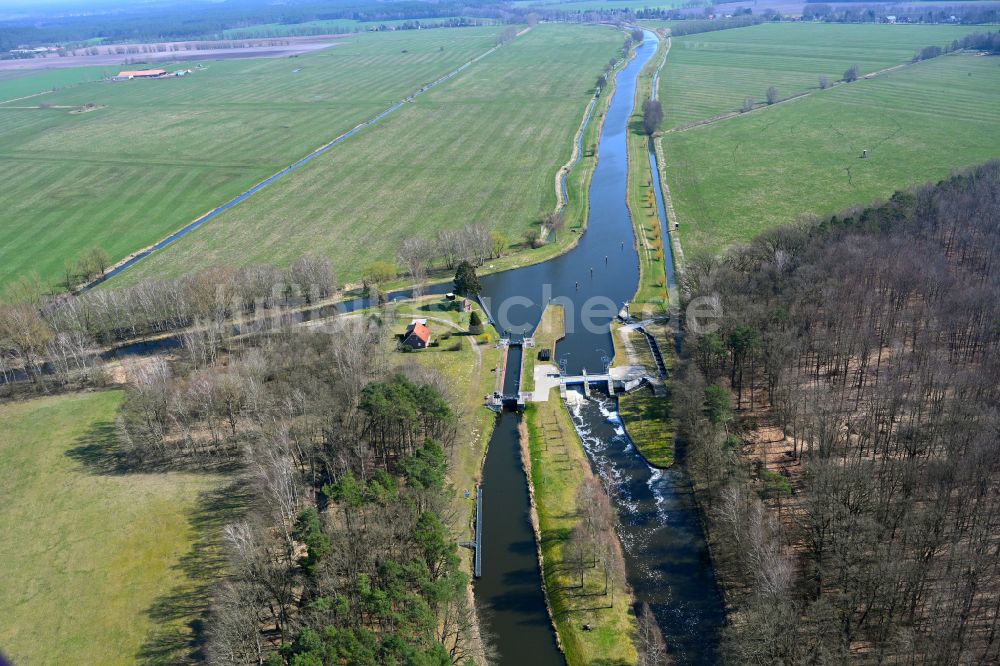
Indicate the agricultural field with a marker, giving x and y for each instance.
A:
(481, 148)
(321, 26)
(96, 561)
(733, 179)
(150, 156)
(712, 73)
(15, 84)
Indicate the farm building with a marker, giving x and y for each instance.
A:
(417, 335)
(139, 74)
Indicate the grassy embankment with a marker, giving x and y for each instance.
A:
(483, 147)
(712, 73)
(155, 155)
(651, 297)
(732, 180)
(559, 467)
(551, 328)
(646, 416)
(101, 566)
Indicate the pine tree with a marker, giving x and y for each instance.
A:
(466, 280)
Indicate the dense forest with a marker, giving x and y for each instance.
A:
(198, 20)
(340, 547)
(843, 428)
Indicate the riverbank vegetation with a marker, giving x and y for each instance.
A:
(645, 413)
(732, 180)
(582, 563)
(516, 113)
(101, 562)
(466, 363)
(651, 297)
(841, 428)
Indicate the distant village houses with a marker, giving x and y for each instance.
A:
(36, 52)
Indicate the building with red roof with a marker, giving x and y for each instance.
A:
(140, 74)
(417, 335)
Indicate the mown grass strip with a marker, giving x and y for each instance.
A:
(551, 328)
(646, 416)
(559, 469)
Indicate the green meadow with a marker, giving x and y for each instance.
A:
(733, 179)
(712, 73)
(16, 84)
(96, 561)
(153, 155)
(321, 26)
(481, 148)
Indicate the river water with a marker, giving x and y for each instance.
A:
(667, 559)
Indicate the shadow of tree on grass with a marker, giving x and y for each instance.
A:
(100, 452)
(180, 615)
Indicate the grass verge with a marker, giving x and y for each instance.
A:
(646, 416)
(559, 468)
(649, 425)
(652, 292)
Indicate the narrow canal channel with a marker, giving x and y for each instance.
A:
(666, 554)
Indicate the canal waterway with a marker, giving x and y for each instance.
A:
(667, 558)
